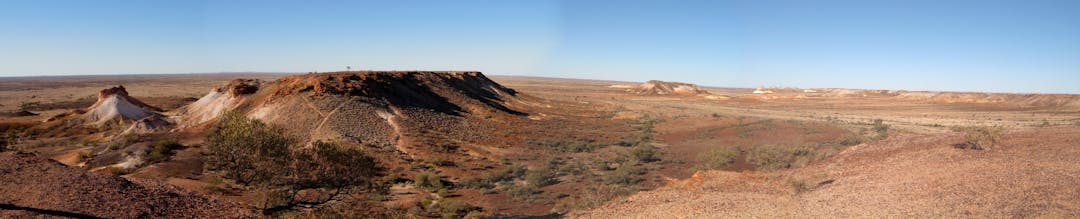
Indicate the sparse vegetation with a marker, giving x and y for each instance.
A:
(850, 139)
(773, 157)
(644, 135)
(540, 177)
(881, 129)
(255, 154)
(717, 158)
(247, 150)
(593, 196)
(452, 208)
(162, 150)
(979, 137)
(644, 153)
(624, 174)
(522, 191)
(576, 145)
(428, 180)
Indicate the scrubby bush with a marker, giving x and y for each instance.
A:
(452, 208)
(329, 165)
(624, 174)
(717, 158)
(487, 181)
(850, 139)
(258, 155)
(472, 182)
(247, 150)
(522, 191)
(506, 174)
(540, 178)
(592, 196)
(644, 153)
(162, 150)
(979, 137)
(428, 180)
(576, 145)
(881, 129)
(772, 157)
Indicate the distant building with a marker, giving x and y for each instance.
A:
(809, 91)
(761, 90)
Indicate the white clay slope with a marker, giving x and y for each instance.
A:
(209, 107)
(114, 108)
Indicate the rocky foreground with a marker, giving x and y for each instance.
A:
(31, 186)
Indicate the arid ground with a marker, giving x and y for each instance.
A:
(458, 145)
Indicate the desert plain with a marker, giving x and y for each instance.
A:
(462, 144)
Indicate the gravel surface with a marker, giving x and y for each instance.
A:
(1032, 173)
(32, 186)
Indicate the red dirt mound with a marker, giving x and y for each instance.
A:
(422, 89)
(239, 86)
(371, 107)
(35, 186)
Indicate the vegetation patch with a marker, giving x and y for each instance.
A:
(281, 173)
(979, 137)
(717, 158)
(162, 150)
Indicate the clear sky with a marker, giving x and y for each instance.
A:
(984, 45)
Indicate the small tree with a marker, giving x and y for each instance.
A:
(247, 150)
(329, 166)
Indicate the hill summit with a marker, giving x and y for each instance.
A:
(372, 107)
(115, 104)
(655, 87)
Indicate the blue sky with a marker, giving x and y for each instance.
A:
(1005, 46)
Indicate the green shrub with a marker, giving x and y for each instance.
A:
(851, 139)
(522, 191)
(979, 137)
(717, 158)
(443, 193)
(577, 145)
(329, 165)
(772, 157)
(881, 129)
(428, 180)
(452, 208)
(644, 153)
(473, 183)
(247, 150)
(574, 168)
(162, 150)
(624, 174)
(506, 174)
(800, 185)
(540, 178)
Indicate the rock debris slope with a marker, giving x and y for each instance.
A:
(32, 186)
